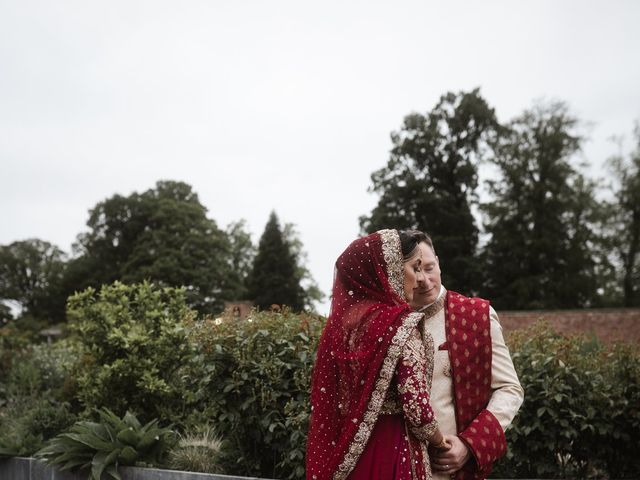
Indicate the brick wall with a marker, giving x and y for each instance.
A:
(610, 325)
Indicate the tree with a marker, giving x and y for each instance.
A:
(162, 235)
(5, 314)
(31, 273)
(540, 251)
(625, 222)
(312, 292)
(241, 259)
(275, 277)
(430, 181)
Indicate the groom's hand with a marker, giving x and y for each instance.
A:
(452, 460)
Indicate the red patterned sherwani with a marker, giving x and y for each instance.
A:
(475, 389)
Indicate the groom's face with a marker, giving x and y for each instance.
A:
(428, 287)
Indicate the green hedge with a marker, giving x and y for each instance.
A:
(33, 405)
(581, 414)
(140, 348)
(255, 388)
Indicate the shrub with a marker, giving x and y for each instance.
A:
(33, 409)
(197, 452)
(617, 450)
(255, 388)
(26, 423)
(13, 342)
(580, 417)
(105, 445)
(133, 344)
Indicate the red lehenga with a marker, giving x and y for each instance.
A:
(371, 416)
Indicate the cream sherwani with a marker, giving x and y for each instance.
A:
(507, 393)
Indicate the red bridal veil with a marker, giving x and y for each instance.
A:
(368, 325)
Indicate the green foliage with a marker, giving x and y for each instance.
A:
(624, 222)
(430, 181)
(103, 446)
(275, 277)
(581, 414)
(162, 235)
(541, 216)
(26, 423)
(311, 290)
(32, 408)
(255, 386)
(31, 273)
(197, 452)
(133, 344)
(12, 341)
(241, 260)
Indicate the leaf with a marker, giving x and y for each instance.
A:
(100, 462)
(128, 456)
(91, 441)
(131, 420)
(112, 471)
(76, 462)
(128, 437)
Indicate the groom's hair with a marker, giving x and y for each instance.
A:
(409, 240)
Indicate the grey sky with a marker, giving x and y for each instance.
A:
(276, 105)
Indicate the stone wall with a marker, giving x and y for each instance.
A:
(611, 325)
(18, 468)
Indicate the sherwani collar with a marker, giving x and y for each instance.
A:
(433, 308)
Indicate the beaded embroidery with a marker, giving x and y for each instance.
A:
(393, 257)
(377, 397)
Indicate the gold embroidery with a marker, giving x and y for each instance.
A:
(425, 431)
(426, 461)
(446, 369)
(414, 351)
(429, 351)
(393, 257)
(418, 385)
(391, 405)
(430, 310)
(377, 398)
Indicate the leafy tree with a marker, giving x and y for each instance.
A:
(161, 235)
(430, 181)
(241, 259)
(31, 273)
(312, 292)
(625, 222)
(275, 277)
(540, 251)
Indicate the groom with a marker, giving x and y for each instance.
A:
(475, 393)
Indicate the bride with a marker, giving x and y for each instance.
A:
(371, 418)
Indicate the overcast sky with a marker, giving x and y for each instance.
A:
(273, 105)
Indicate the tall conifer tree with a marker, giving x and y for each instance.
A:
(275, 277)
